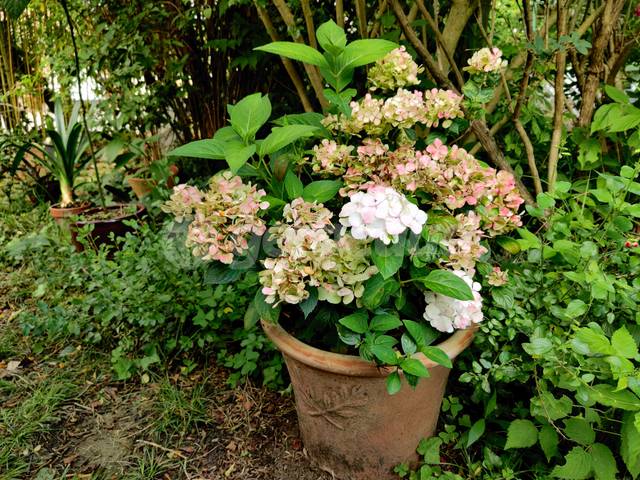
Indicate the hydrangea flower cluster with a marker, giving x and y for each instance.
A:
(396, 70)
(375, 116)
(446, 314)
(464, 246)
(223, 217)
(330, 159)
(486, 60)
(497, 277)
(381, 213)
(310, 258)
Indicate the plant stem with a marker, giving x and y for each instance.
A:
(67, 15)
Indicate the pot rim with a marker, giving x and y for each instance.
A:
(352, 365)
(140, 209)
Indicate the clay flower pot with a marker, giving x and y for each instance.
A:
(62, 214)
(103, 227)
(350, 426)
(141, 186)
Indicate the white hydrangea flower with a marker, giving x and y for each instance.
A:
(446, 314)
(381, 213)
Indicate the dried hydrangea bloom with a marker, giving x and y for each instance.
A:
(375, 116)
(497, 277)
(310, 258)
(486, 60)
(381, 213)
(456, 179)
(182, 202)
(396, 70)
(224, 216)
(464, 246)
(330, 159)
(446, 314)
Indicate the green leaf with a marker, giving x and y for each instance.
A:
(607, 395)
(210, 149)
(249, 114)
(237, 154)
(321, 191)
(409, 347)
(15, 7)
(384, 322)
(437, 355)
(295, 51)
(475, 432)
(280, 137)
(616, 94)
(547, 406)
(538, 346)
(576, 308)
(251, 316)
(623, 343)
(577, 467)
(429, 448)
(630, 445)
(220, 274)
(420, 332)
(331, 37)
(545, 200)
(265, 310)
(388, 258)
(309, 304)
(385, 354)
(362, 52)
(293, 185)
(579, 430)
(393, 383)
(447, 283)
(604, 463)
(415, 367)
(356, 322)
(521, 434)
(548, 438)
(595, 342)
(377, 290)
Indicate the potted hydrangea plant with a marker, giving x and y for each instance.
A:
(366, 229)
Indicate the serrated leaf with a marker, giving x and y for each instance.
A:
(521, 434)
(356, 322)
(385, 354)
(623, 343)
(547, 406)
(393, 383)
(538, 346)
(604, 463)
(577, 466)
(607, 395)
(420, 332)
(377, 290)
(548, 438)
(415, 367)
(579, 430)
(596, 342)
(630, 444)
(362, 52)
(384, 322)
(447, 283)
(409, 347)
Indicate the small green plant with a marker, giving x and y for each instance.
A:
(67, 155)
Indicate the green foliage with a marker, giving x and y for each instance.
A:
(167, 312)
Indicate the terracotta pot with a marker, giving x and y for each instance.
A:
(102, 228)
(62, 214)
(140, 186)
(350, 426)
(143, 186)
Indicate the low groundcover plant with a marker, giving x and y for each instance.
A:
(364, 225)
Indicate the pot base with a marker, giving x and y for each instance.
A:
(350, 426)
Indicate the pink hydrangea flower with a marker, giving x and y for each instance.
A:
(486, 60)
(396, 70)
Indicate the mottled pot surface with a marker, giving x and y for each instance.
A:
(350, 426)
(103, 228)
